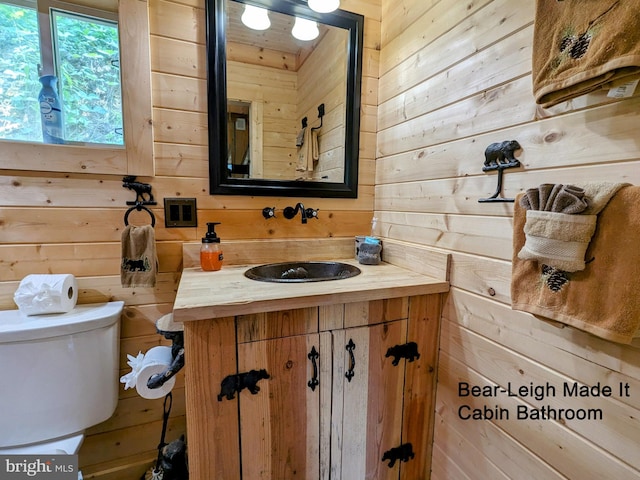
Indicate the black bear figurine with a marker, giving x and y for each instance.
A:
(498, 154)
(173, 460)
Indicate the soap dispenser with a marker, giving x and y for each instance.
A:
(210, 251)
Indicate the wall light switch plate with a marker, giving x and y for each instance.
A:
(180, 212)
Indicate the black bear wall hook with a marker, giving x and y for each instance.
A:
(500, 156)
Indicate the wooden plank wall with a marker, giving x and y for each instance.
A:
(64, 222)
(329, 89)
(276, 92)
(455, 77)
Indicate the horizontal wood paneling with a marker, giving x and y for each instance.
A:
(491, 23)
(455, 77)
(565, 137)
(67, 222)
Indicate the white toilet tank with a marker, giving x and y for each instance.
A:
(59, 372)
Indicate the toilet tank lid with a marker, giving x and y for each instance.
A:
(15, 326)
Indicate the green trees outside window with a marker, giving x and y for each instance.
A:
(85, 52)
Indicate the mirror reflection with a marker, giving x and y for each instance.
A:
(284, 98)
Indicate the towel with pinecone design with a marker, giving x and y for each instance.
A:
(580, 47)
(602, 298)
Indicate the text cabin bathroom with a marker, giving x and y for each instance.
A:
(291, 239)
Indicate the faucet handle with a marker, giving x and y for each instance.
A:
(269, 212)
(311, 213)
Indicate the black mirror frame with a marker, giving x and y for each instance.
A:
(220, 183)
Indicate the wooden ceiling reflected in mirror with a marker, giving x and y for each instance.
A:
(274, 74)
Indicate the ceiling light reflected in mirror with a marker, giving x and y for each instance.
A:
(305, 30)
(256, 18)
(324, 6)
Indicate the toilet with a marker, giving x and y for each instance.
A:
(59, 377)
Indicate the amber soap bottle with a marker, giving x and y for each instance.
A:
(210, 251)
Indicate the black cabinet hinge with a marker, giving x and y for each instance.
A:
(236, 383)
(403, 453)
(408, 351)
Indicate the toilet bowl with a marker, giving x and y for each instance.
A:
(59, 376)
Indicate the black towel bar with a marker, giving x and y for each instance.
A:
(139, 207)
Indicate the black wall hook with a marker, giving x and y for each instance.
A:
(143, 197)
(320, 116)
(500, 156)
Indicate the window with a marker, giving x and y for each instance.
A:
(76, 45)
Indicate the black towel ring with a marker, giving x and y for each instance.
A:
(139, 207)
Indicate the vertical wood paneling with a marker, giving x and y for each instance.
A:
(455, 77)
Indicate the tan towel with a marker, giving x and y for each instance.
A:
(555, 197)
(139, 260)
(555, 234)
(603, 298)
(300, 137)
(556, 239)
(584, 45)
(308, 153)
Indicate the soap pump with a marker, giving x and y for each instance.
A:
(210, 251)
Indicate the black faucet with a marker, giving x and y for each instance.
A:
(290, 212)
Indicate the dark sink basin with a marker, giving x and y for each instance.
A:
(298, 272)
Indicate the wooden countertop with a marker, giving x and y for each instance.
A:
(227, 292)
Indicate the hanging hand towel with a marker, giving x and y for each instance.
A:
(300, 137)
(555, 197)
(139, 260)
(603, 297)
(555, 235)
(308, 153)
(581, 46)
(560, 221)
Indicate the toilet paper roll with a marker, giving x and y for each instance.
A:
(155, 361)
(39, 294)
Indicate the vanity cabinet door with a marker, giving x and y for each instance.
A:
(280, 424)
(385, 410)
(369, 396)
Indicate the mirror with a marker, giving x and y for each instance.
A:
(284, 114)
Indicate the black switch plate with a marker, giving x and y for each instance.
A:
(180, 212)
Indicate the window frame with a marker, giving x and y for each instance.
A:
(136, 156)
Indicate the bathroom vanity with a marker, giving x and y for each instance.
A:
(310, 380)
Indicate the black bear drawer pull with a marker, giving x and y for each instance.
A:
(403, 453)
(408, 351)
(236, 383)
